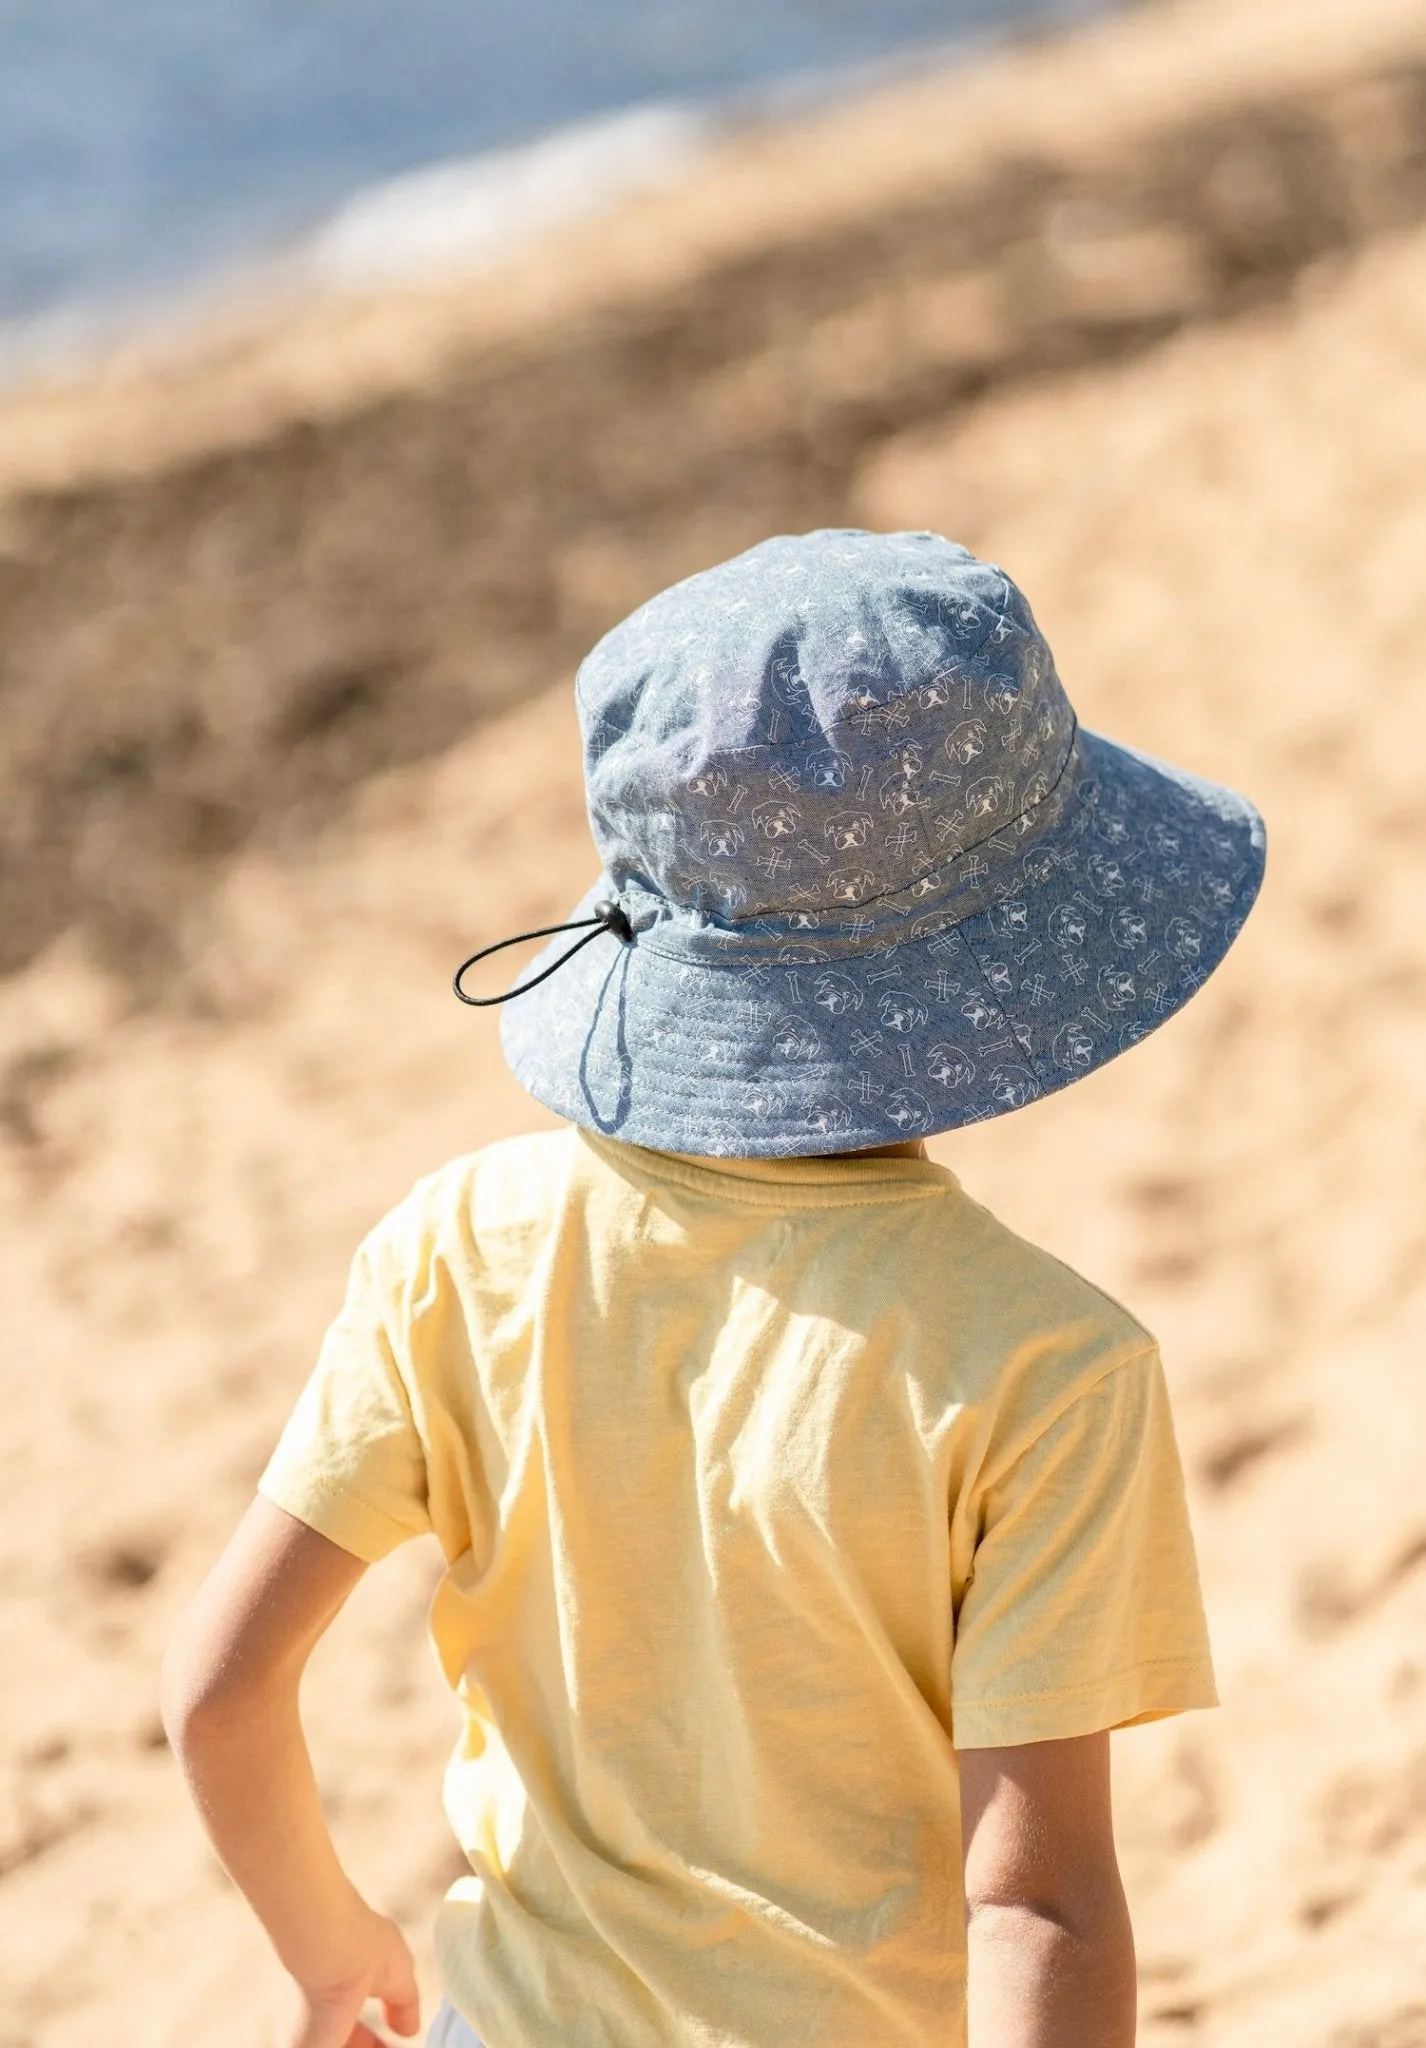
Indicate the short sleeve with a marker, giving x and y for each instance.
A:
(350, 1463)
(1082, 1609)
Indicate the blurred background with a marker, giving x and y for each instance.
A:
(356, 372)
(157, 146)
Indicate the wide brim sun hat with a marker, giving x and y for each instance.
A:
(875, 880)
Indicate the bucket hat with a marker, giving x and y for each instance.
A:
(865, 877)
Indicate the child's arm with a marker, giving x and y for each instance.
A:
(230, 1689)
(1051, 1951)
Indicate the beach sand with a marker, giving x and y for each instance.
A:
(287, 618)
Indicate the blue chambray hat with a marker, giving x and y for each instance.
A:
(875, 880)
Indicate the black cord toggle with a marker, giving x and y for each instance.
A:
(608, 917)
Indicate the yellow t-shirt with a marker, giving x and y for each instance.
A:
(760, 1485)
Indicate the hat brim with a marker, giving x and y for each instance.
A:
(1102, 929)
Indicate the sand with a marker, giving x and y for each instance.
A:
(222, 1056)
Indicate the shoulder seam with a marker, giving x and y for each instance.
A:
(1102, 1294)
(1146, 1354)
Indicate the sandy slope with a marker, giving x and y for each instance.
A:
(1223, 534)
(1224, 544)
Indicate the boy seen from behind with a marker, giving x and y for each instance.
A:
(805, 1531)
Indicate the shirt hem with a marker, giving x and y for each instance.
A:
(1149, 1692)
(353, 1524)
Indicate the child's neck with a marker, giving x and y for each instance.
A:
(909, 1148)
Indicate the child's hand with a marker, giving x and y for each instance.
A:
(328, 2015)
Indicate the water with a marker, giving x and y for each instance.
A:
(148, 143)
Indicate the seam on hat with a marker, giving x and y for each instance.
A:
(736, 926)
(1041, 1079)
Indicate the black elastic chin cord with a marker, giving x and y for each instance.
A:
(608, 917)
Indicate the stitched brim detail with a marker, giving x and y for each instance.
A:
(1102, 928)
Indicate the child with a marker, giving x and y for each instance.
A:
(806, 1532)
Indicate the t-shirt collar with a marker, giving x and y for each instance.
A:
(818, 1171)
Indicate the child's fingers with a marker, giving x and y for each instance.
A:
(330, 2024)
(362, 2037)
(403, 2012)
(396, 2018)
(395, 1985)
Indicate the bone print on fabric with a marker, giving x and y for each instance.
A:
(880, 881)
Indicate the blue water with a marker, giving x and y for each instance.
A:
(148, 142)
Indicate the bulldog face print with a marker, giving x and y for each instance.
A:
(1217, 891)
(925, 885)
(901, 1011)
(1162, 840)
(785, 677)
(979, 1013)
(949, 1067)
(1106, 876)
(837, 993)
(795, 1039)
(1010, 919)
(1000, 693)
(1037, 867)
(828, 771)
(851, 888)
(998, 974)
(907, 1110)
(1129, 929)
(827, 1118)
(1116, 988)
(1074, 1047)
(776, 820)
(709, 781)
(967, 741)
(1111, 828)
(1184, 939)
(899, 794)
(1013, 1087)
(1068, 925)
(932, 695)
(848, 830)
(766, 1102)
(721, 837)
(985, 797)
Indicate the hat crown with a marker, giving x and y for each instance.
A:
(824, 721)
